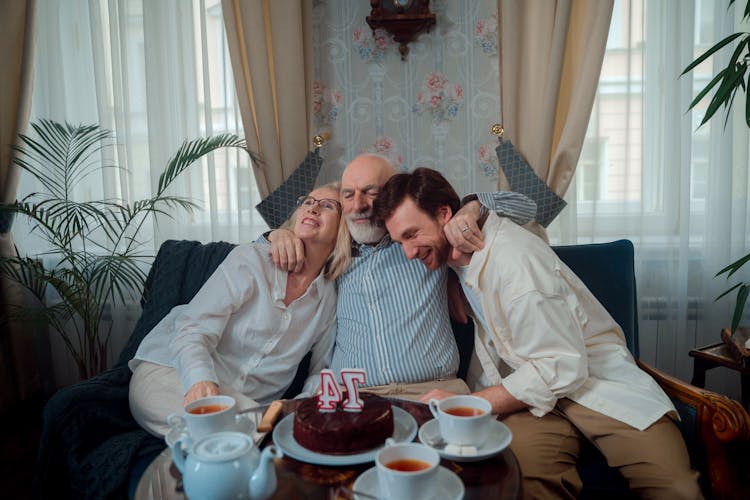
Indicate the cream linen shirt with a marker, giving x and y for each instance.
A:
(237, 330)
(545, 335)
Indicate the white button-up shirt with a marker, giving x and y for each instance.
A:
(237, 330)
(543, 335)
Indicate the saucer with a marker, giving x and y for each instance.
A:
(448, 487)
(245, 424)
(404, 430)
(498, 438)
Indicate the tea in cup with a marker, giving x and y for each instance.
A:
(463, 420)
(406, 470)
(207, 415)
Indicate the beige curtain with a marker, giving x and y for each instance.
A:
(551, 54)
(270, 45)
(19, 376)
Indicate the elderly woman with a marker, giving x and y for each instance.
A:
(250, 325)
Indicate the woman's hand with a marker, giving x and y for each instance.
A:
(199, 390)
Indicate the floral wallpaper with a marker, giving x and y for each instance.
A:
(434, 109)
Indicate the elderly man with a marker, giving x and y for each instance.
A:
(392, 314)
(553, 361)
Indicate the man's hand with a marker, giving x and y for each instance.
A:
(436, 394)
(463, 232)
(201, 389)
(287, 250)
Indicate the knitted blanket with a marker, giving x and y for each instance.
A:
(90, 440)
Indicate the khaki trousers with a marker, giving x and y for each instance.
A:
(417, 390)
(654, 461)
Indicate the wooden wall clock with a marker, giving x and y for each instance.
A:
(404, 19)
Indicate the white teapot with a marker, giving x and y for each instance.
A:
(225, 465)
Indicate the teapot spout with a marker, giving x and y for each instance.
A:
(263, 481)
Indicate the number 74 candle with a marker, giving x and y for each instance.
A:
(330, 393)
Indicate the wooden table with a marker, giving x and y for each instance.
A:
(714, 355)
(498, 477)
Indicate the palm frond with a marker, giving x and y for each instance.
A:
(724, 93)
(727, 83)
(711, 51)
(739, 305)
(44, 315)
(734, 266)
(172, 202)
(715, 80)
(28, 272)
(192, 150)
(116, 278)
(95, 251)
(727, 292)
(58, 159)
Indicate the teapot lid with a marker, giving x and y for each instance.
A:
(222, 446)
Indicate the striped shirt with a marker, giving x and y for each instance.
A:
(515, 206)
(392, 316)
(392, 313)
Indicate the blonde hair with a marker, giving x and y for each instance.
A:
(341, 256)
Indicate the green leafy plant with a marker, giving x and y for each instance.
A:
(725, 86)
(96, 246)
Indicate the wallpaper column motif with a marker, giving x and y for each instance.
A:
(434, 109)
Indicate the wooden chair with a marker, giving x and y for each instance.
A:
(716, 428)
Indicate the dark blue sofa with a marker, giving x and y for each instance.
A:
(92, 448)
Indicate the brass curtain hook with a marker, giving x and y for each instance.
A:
(319, 139)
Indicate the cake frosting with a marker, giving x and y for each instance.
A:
(343, 432)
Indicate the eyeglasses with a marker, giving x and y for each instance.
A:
(325, 203)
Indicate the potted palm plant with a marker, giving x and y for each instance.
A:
(95, 247)
(725, 86)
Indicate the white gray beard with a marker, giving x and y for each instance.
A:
(365, 234)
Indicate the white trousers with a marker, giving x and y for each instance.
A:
(156, 392)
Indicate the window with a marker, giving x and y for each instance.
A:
(157, 74)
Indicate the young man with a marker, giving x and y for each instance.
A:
(392, 315)
(553, 361)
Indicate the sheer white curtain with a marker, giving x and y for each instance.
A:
(649, 174)
(155, 73)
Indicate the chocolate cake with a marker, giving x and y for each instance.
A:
(343, 432)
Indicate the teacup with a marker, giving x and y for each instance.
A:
(207, 415)
(463, 420)
(406, 470)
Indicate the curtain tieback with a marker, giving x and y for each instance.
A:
(523, 179)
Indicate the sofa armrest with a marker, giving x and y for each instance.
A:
(78, 422)
(717, 432)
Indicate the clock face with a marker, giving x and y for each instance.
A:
(404, 4)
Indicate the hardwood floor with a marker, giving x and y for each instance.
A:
(19, 440)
